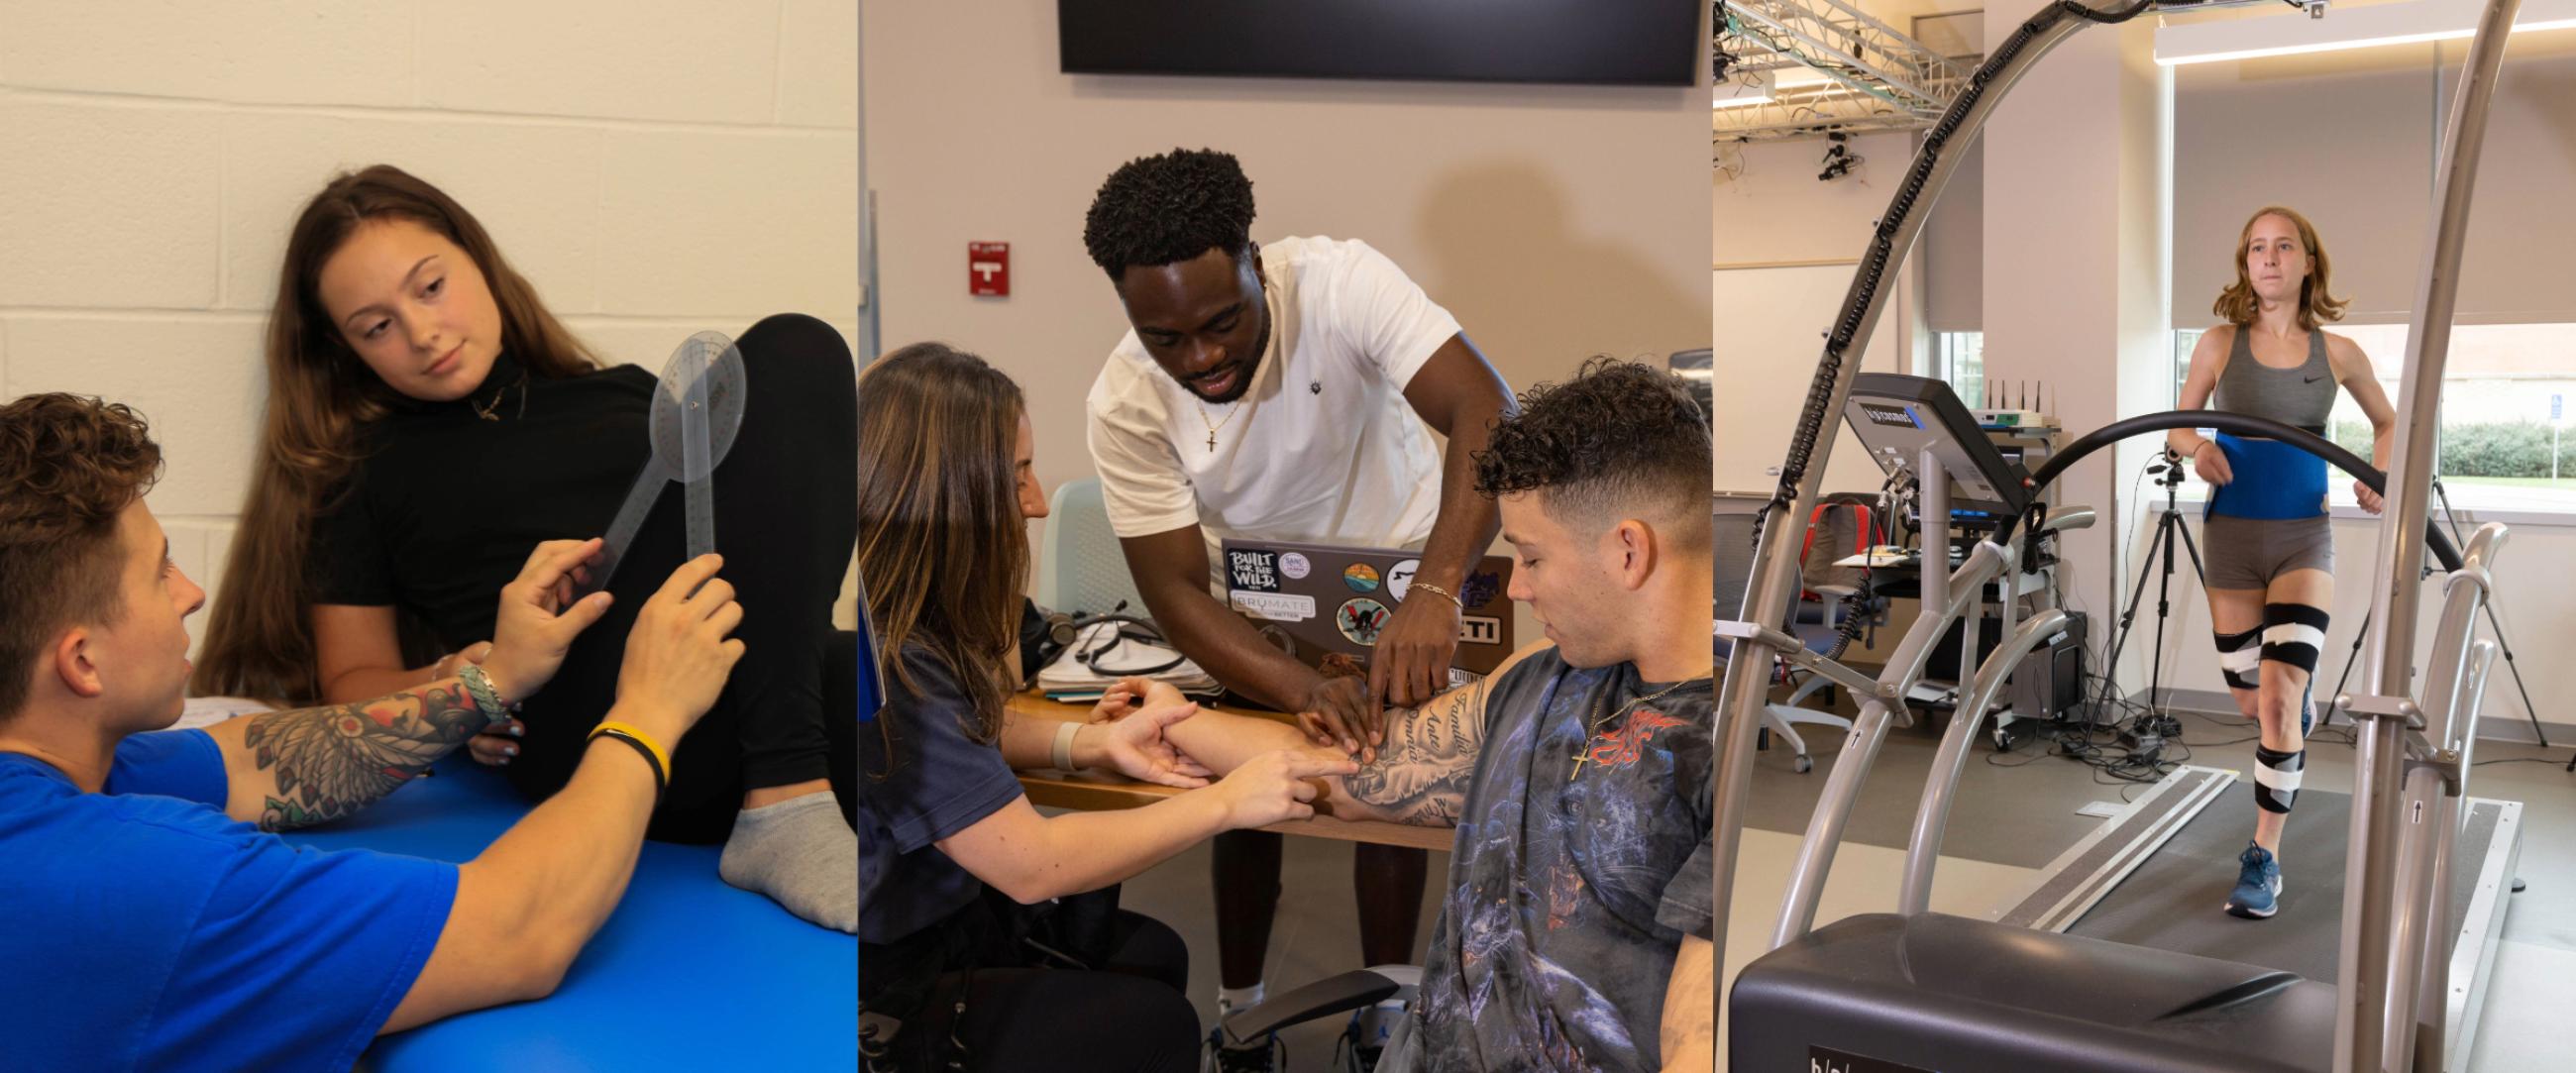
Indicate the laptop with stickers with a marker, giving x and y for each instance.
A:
(1325, 604)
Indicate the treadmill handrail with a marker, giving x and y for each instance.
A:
(1986, 562)
(1815, 861)
(2464, 592)
(2378, 974)
(1932, 817)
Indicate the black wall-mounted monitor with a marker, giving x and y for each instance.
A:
(1609, 42)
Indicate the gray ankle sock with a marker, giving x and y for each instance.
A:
(802, 855)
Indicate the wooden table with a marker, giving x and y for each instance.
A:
(1093, 791)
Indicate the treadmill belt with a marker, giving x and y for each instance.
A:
(2174, 900)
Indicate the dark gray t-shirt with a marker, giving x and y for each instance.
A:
(1571, 890)
(929, 782)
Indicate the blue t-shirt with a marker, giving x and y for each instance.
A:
(1574, 880)
(921, 779)
(143, 929)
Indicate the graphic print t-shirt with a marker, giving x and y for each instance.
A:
(1582, 860)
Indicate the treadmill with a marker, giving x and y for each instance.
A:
(2155, 874)
(2139, 968)
(2425, 865)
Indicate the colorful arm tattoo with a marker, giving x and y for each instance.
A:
(329, 762)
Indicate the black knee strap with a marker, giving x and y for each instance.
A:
(2239, 657)
(2293, 633)
(2276, 778)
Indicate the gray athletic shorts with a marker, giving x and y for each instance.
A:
(2248, 553)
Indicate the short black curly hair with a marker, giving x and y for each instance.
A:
(1622, 439)
(1160, 209)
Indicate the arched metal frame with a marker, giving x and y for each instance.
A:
(2381, 975)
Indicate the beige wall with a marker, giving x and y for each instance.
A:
(1555, 222)
(1772, 208)
(654, 168)
(1784, 248)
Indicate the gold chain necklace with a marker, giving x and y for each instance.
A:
(491, 411)
(1273, 326)
(1212, 426)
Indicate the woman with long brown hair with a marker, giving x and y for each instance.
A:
(428, 420)
(2270, 573)
(953, 854)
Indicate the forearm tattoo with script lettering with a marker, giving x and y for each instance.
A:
(1421, 774)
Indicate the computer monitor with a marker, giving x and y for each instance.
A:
(1897, 416)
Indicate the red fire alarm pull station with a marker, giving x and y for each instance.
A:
(988, 268)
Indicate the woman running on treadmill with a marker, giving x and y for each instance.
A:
(2271, 552)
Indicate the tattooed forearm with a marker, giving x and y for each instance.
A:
(330, 762)
(1422, 771)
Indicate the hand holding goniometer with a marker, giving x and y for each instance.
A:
(697, 408)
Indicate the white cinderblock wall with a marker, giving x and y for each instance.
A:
(655, 168)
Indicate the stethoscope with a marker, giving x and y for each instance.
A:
(1092, 654)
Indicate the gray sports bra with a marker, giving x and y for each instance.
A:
(2301, 397)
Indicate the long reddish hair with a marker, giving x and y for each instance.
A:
(2316, 306)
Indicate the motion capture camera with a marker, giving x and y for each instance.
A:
(1838, 159)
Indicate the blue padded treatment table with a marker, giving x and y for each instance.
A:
(688, 973)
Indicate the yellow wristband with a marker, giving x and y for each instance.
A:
(661, 756)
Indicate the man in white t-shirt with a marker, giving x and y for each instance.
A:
(1287, 391)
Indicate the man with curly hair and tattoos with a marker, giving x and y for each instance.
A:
(1288, 391)
(149, 916)
(1575, 931)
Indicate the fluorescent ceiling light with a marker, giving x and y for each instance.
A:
(2291, 33)
(1742, 102)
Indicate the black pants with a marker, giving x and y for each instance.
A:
(787, 517)
(1129, 1017)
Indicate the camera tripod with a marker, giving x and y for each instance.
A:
(2170, 531)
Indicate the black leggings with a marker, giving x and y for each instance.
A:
(1130, 1017)
(786, 506)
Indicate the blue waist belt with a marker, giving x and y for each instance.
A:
(2273, 480)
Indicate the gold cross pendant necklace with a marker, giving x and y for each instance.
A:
(1213, 426)
(1583, 750)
